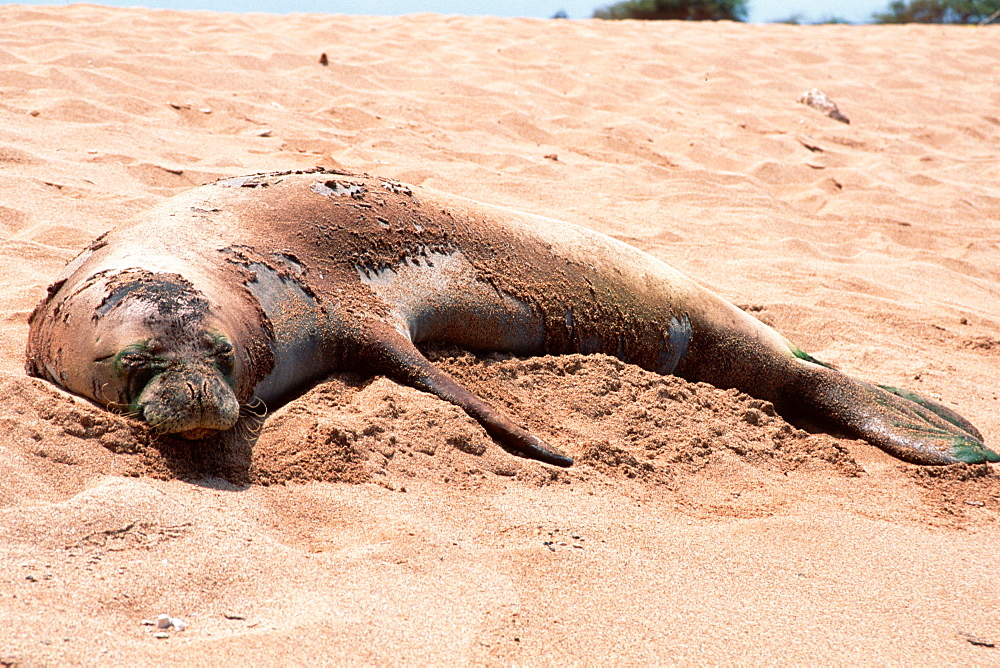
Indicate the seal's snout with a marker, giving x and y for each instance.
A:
(191, 401)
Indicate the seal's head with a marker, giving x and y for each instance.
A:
(143, 343)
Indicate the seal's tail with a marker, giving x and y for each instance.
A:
(903, 423)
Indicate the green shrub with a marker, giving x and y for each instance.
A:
(676, 10)
(938, 11)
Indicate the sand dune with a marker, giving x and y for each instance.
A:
(374, 523)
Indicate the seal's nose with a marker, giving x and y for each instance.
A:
(191, 401)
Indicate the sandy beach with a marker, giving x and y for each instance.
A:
(352, 530)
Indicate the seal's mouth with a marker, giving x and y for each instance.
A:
(189, 401)
(197, 434)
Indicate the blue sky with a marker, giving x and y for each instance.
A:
(761, 11)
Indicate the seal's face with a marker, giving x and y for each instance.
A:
(151, 348)
(183, 388)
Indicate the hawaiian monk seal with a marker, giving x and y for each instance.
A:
(254, 287)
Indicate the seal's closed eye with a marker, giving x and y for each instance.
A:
(135, 360)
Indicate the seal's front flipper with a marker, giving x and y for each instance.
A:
(389, 352)
(902, 423)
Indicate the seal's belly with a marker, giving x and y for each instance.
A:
(440, 297)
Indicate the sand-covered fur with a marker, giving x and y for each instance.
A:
(244, 292)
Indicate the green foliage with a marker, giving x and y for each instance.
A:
(938, 11)
(676, 10)
(797, 20)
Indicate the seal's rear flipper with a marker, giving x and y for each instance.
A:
(942, 410)
(902, 423)
(389, 352)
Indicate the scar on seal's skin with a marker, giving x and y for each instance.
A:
(250, 289)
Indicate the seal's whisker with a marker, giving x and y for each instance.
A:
(152, 435)
(117, 407)
(102, 398)
(253, 429)
(250, 425)
(255, 406)
(252, 415)
(124, 410)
